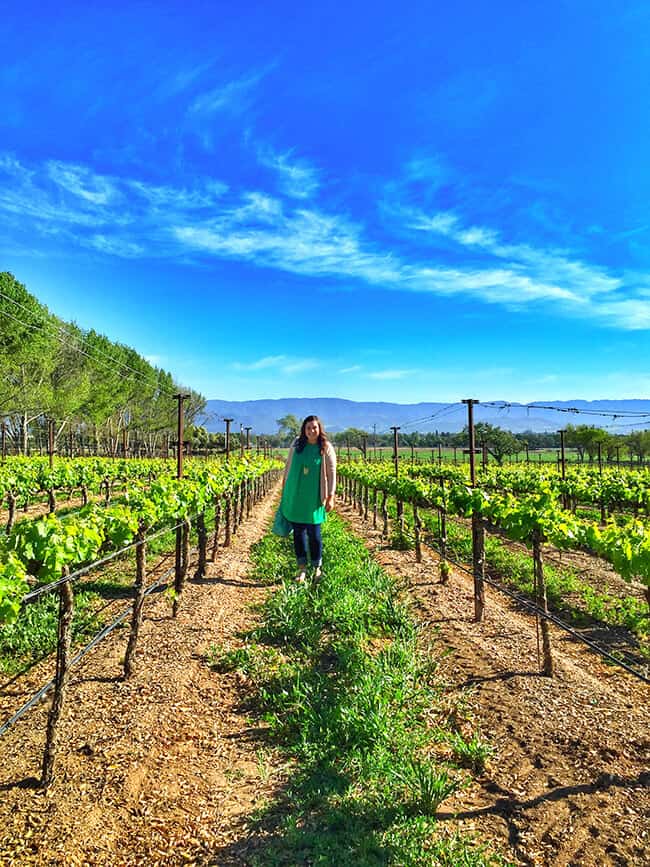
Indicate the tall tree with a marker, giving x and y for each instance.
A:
(499, 442)
(289, 426)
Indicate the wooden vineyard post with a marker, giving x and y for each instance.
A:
(416, 528)
(51, 500)
(234, 511)
(478, 565)
(181, 566)
(400, 516)
(138, 600)
(478, 530)
(11, 515)
(228, 516)
(384, 514)
(178, 568)
(374, 509)
(66, 611)
(542, 603)
(50, 441)
(178, 560)
(444, 566)
(217, 523)
(242, 501)
(400, 505)
(202, 534)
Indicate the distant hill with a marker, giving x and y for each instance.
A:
(338, 414)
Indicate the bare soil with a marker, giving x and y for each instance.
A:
(162, 769)
(570, 780)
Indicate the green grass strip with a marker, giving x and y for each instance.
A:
(340, 677)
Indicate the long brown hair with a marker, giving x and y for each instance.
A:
(302, 438)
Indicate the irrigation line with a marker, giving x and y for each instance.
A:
(548, 616)
(46, 588)
(95, 641)
(551, 617)
(103, 633)
(109, 602)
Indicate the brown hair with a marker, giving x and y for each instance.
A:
(302, 438)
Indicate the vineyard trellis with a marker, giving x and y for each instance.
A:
(232, 488)
(359, 478)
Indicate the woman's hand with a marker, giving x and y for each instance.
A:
(329, 503)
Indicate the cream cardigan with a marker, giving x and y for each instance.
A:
(327, 470)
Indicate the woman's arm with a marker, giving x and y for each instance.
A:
(330, 471)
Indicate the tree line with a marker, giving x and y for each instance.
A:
(586, 440)
(98, 393)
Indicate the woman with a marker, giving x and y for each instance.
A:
(308, 492)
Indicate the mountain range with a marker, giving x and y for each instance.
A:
(338, 414)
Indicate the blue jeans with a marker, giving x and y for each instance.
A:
(302, 533)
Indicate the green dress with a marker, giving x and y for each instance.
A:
(301, 502)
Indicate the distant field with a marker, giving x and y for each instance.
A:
(427, 455)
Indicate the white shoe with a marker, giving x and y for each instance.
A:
(317, 573)
(301, 577)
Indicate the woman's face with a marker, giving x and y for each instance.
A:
(312, 430)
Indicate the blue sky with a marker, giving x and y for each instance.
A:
(375, 201)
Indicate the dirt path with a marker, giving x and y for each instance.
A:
(163, 769)
(570, 781)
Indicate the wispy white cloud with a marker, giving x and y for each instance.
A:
(128, 218)
(631, 314)
(116, 247)
(261, 363)
(391, 374)
(233, 96)
(83, 182)
(574, 279)
(300, 366)
(161, 196)
(182, 80)
(279, 363)
(356, 368)
(297, 178)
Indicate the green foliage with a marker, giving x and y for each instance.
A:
(472, 753)
(426, 786)
(13, 586)
(34, 635)
(531, 507)
(499, 442)
(401, 540)
(289, 427)
(45, 547)
(84, 378)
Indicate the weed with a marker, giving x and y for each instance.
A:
(401, 540)
(427, 786)
(472, 753)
